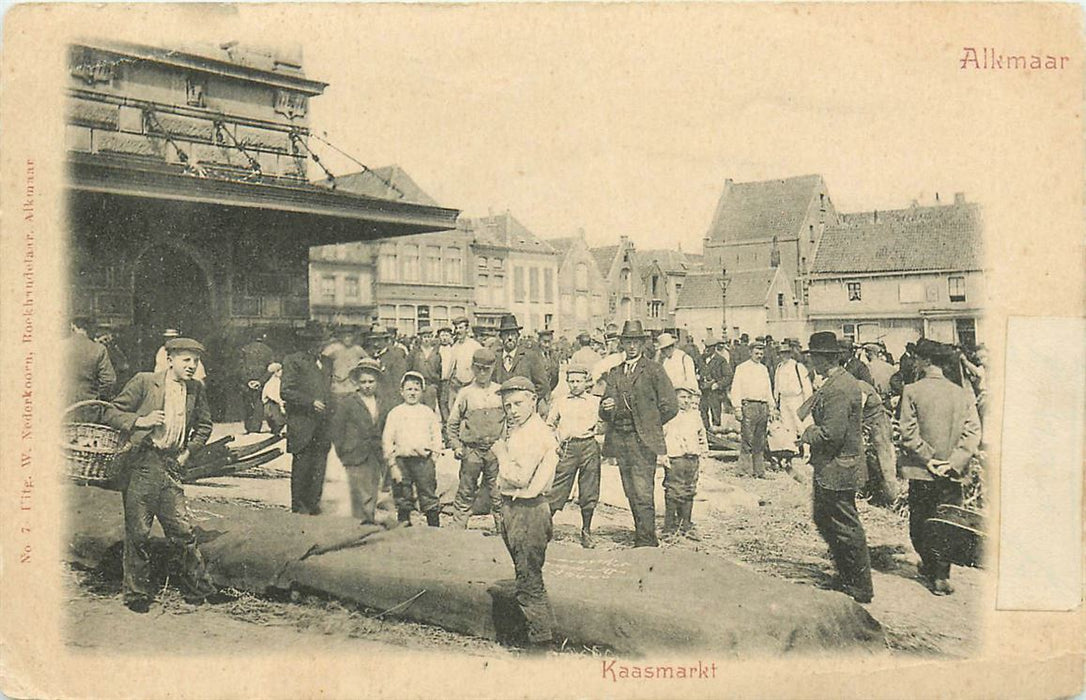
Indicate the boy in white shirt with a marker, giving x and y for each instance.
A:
(685, 438)
(411, 439)
(575, 418)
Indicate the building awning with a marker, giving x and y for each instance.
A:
(128, 177)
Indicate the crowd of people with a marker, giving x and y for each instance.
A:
(530, 418)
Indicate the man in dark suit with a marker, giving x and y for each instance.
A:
(515, 361)
(426, 360)
(255, 358)
(840, 467)
(306, 390)
(168, 418)
(638, 400)
(90, 373)
(716, 382)
(393, 363)
(853, 364)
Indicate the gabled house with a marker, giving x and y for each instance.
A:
(663, 273)
(515, 271)
(755, 302)
(770, 223)
(582, 289)
(618, 265)
(900, 275)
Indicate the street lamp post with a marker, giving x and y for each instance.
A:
(724, 303)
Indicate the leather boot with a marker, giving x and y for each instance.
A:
(686, 525)
(587, 541)
(671, 518)
(433, 518)
(404, 517)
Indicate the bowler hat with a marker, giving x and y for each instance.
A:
(665, 340)
(516, 384)
(379, 331)
(824, 343)
(184, 345)
(633, 329)
(509, 323)
(611, 331)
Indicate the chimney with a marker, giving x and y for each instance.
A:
(936, 197)
(876, 216)
(959, 198)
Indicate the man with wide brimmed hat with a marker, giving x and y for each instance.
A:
(637, 402)
(716, 381)
(356, 428)
(752, 398)
(393, 360)
(940, 433)
(678, 365)
(167, 416)
(515, 361)
(837, 456)
(306, 389)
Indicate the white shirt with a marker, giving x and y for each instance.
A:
(790, 380)
(527, 458)
(171, 434)
(446, 361)
(574, 416)
(460, 368)
(751, 383)
(685, 434)
(271, 389)
(680, 370)
(411, 431)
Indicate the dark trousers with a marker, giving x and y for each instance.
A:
(254, 409)
(681, 479)
(752, 437)
(924, 498)
(363, 483)
(580, 458)
(307, 469)
(637, 467)
(152, 492)
(527, 530)
(711, 407)
(273, 413)
(839, 524)
(419, 479)
(477, 462)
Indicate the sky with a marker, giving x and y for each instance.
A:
(626, 119)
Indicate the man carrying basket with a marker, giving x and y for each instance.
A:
(168, 418)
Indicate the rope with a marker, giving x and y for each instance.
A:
(220, 128)
(152, 122)
(365, 168)
(296, 138)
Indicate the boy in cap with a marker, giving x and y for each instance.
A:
(411, 439)
(357, 427)
(168, 417)
(575, 418)
(527, 457)
(686, 442)
(475, 424)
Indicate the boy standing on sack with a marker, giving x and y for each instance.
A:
(686, 442)
(475, 424)
(412, 438)
(575, 417)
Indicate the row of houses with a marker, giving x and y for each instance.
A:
(777, 259)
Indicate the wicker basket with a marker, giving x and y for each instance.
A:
(91, 449)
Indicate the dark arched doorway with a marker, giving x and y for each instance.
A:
(170, 290)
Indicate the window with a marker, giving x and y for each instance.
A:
(386, 315)
(481, 263)
(580, 276)
(410, 255)
(350, 287)
(482, 292)
(405, 323)
(433, 264)
(328, 288)
(848, 330)
(439, 316)
(580, 308)
(518, 283)
(966, 329)
(423, 314)
(497, 263)
(853, 291)
(822, 201)
(655, 286)
(453, 265)
(811, 227)
(626, 256)
(627, 281)
(548, 285)
(548, 321)
(867, 332)
(780, 300)
(654, 308)
(533, 284)
(497, 290)
(956, 287)
(386, 263)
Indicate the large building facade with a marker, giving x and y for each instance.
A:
(626, 295)
(582, 290)
(899, 275)
(188, 201)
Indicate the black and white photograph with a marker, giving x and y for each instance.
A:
(640, 343)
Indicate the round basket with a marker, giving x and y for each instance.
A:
(90, 449)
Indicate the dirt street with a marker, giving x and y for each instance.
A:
(762, 523)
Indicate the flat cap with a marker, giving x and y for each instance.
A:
(578, 368)
(368, 365)
(184, 345)
(417, 376)
(460, 319)
(516, 384)
(484, 357)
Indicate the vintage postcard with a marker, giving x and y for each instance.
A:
(542, 350)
